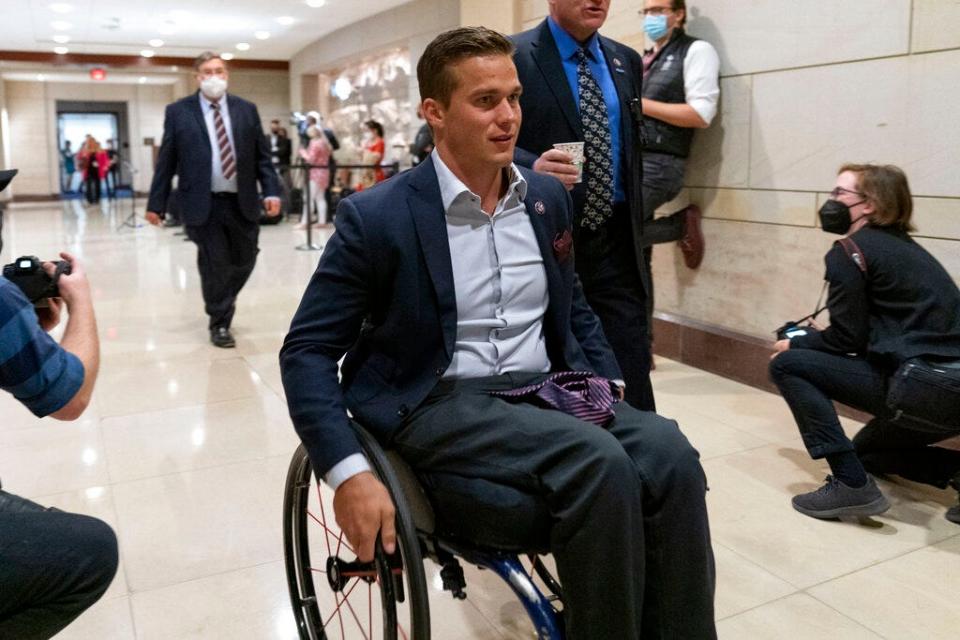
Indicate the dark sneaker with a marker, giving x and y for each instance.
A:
(835, 499)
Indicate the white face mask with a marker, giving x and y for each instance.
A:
(213, 87)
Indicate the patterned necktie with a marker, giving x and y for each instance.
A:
(597, 148)
(580, 394)
(227, 163)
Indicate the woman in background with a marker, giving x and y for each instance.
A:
(317, 153)
(96, 163)
(373, 152)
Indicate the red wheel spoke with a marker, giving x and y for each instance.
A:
(339, 602)
(329, 533)
(354, 614)
(323, 515)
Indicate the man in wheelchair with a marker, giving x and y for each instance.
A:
(452, 292)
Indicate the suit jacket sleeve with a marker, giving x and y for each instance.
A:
(325, 326)
(166, 166)
(524, 158)
(266, 174)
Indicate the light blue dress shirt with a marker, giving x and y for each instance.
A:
(217, 182)
(567, 47)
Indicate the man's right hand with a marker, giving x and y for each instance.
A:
(557, 163)
(153, 218)
(363, 508)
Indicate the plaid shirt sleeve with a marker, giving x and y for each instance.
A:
(33, 367)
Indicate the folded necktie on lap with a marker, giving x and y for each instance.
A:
(580, 394)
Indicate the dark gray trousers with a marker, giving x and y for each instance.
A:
(629, 534)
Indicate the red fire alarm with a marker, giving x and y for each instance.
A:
(98, 74)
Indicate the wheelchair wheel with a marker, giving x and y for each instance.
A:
(333, 594)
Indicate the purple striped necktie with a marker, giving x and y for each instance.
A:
(227, 162)
(581, 394)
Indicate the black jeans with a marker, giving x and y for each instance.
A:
(53, 565)
(627, 502)
(92, 182)
(226, 254)
(606, 263)
(810, 380)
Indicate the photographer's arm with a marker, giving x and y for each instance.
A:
(80, 336)
(848, 302)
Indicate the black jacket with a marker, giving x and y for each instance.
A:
(906, 305)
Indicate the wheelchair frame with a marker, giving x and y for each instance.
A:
(416, 540)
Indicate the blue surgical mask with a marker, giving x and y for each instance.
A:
(655, 26)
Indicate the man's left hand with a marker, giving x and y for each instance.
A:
(49, 316)
(779, 347)
(272, 206)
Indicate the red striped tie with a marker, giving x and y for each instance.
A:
(227, 162)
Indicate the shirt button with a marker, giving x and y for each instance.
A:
(439, 371)
(403, 411)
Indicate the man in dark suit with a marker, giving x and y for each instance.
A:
(449, 284)
(214, 143)
(563, 64)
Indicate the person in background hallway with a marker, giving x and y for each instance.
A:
(96, 164)
(317, 153)
(53, 565)
(890, 301)
(68, 165)
(314, 118)
(373, 152)
(281, 152)
(465, 265)
(113, 169)
(214, 142)
(422, 143)
(578, 86)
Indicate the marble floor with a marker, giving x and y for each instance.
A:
(185, 449)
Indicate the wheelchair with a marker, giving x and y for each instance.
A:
(334, 595)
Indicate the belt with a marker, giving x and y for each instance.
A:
(224, 194)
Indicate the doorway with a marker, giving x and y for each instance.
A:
(106, 122)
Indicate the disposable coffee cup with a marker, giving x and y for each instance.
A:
(575, 149)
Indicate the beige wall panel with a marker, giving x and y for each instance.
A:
(772, 207)
(753, 277)
(532, 12)
(28, 137)
(753, 36)
(937, 217)
(936, 24)
(806, 123)
(720, 156)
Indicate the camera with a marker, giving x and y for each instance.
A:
(790, 330)
(27, 273)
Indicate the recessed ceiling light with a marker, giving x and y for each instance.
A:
(286, 20)
(226, 55)
(61, 25)
(156, 43)
(61, 50)
(261, 35)
(316, 3)
(61, 7)
(41, 77)
(147, 53)
(61, 39)
(243, 46)
(143, 80)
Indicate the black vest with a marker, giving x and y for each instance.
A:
(664, 83)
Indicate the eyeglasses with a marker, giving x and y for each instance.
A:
(655, 11)
(840, 190)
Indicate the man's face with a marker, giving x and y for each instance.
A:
(663, 8)
(210, 68)
(479, 127)
(579, 18)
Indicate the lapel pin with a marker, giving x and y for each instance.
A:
(539, 207)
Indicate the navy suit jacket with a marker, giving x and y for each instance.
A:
(383, 294)
(185, 152)
(550, 113)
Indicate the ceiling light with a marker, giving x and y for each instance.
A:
(226, 55)
(61, 39)
(41, 77)
(61, 7)
(61, 25)
(286, 20)
(316, 3)
(147, 53)
(261, 35)
(156, 43)
(243, 46)
(143, 80)
(61, 50)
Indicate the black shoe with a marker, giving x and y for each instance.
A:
(835, 499)
(220, 337)
(953, 513)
